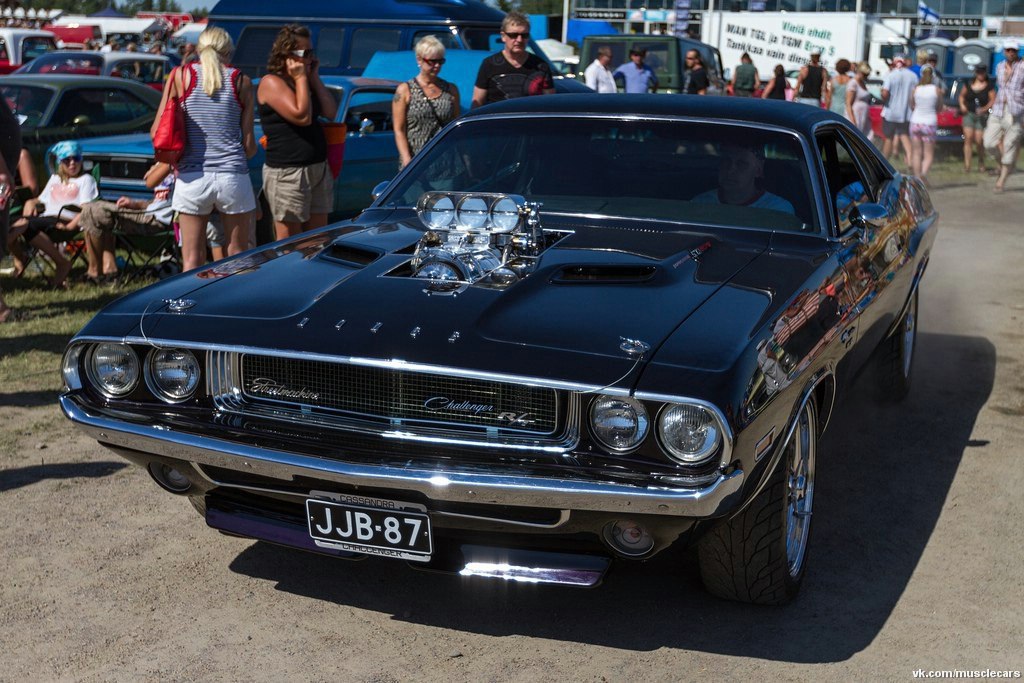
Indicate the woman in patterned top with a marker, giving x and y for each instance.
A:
(423, 105)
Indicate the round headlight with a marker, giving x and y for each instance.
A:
(689, 433)
(619, 423)
(472, 213)
(504, 214)
(173, 373)
(438, 212)
(113, 369)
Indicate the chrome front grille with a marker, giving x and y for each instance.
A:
(394, 402)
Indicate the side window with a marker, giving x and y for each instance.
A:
(367, 41)
(329, 46)
(446, 37)
(478, 38)
(372, 105)
(847, 186)
(33, 47)
(253, 47)
(99, 106)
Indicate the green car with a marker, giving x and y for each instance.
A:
(54, 107)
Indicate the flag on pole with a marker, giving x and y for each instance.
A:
(926, 13)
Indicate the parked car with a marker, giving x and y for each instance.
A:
(950, 122)
(370, 152)
(141, 67)
(522, 363)
(21, 45)
(55, 107)
(666, 55)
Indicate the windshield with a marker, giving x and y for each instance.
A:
(707, 173)
(26, 102)
(87, 65)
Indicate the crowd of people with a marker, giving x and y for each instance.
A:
(209, 189)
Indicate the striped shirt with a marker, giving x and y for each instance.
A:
(1010, 95)
(214, 127)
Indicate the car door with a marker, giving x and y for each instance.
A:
(872, 253)
(370, 152)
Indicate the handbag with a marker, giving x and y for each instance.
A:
(170, 137)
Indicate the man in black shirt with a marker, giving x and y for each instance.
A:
(513, 72)
(696, 79)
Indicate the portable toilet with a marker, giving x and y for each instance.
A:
(941, 47)
(972, 53)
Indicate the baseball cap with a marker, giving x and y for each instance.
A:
(637, 51)
(1011, 44)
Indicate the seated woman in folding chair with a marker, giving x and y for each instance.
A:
(101, 218)
(69, 186)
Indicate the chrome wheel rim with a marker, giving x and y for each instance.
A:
(909, 335)
(800, 489)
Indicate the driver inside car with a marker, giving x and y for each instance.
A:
(740, 170)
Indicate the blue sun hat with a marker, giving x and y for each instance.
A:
(67, 149)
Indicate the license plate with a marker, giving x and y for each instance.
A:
(370, 525)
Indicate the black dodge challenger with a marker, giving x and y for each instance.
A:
(576, 330)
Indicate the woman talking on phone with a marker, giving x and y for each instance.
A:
(291, 97)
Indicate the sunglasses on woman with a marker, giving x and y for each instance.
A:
(68, 160)
(434, 62)
(302, 54)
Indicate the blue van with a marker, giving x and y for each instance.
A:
(347, 33)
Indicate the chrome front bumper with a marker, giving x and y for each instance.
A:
(711, 500)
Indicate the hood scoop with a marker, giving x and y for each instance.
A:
(351, 255)
(604, 274)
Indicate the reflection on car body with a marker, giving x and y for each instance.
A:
(534, 355)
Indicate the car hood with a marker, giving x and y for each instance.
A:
(338, 292)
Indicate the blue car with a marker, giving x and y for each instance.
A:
(364, 104)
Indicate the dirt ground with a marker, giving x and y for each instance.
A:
(916, 560)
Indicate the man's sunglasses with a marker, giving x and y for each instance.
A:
(67, 160)
(525, 35)
(434, 62)
(302, 54)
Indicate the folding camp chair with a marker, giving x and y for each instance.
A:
(147, 254)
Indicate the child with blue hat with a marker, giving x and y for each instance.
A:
(68, 187)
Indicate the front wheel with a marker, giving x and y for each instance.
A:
(759, 556)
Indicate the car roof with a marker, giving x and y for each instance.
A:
(60, 80)
(105, 56)
(798, 117)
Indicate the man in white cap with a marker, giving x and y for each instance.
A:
(897, 88)
(1004, 123)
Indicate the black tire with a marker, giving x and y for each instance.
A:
(760, 555)
(896, 356)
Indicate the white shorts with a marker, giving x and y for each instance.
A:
(198, 193)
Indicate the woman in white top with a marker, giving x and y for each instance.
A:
(926, 102)
(858, 100)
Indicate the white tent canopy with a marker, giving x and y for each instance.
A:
(113, 24)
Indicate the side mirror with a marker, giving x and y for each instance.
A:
(379, 188)
(366, 126)
(80, 120)
(871, 215)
